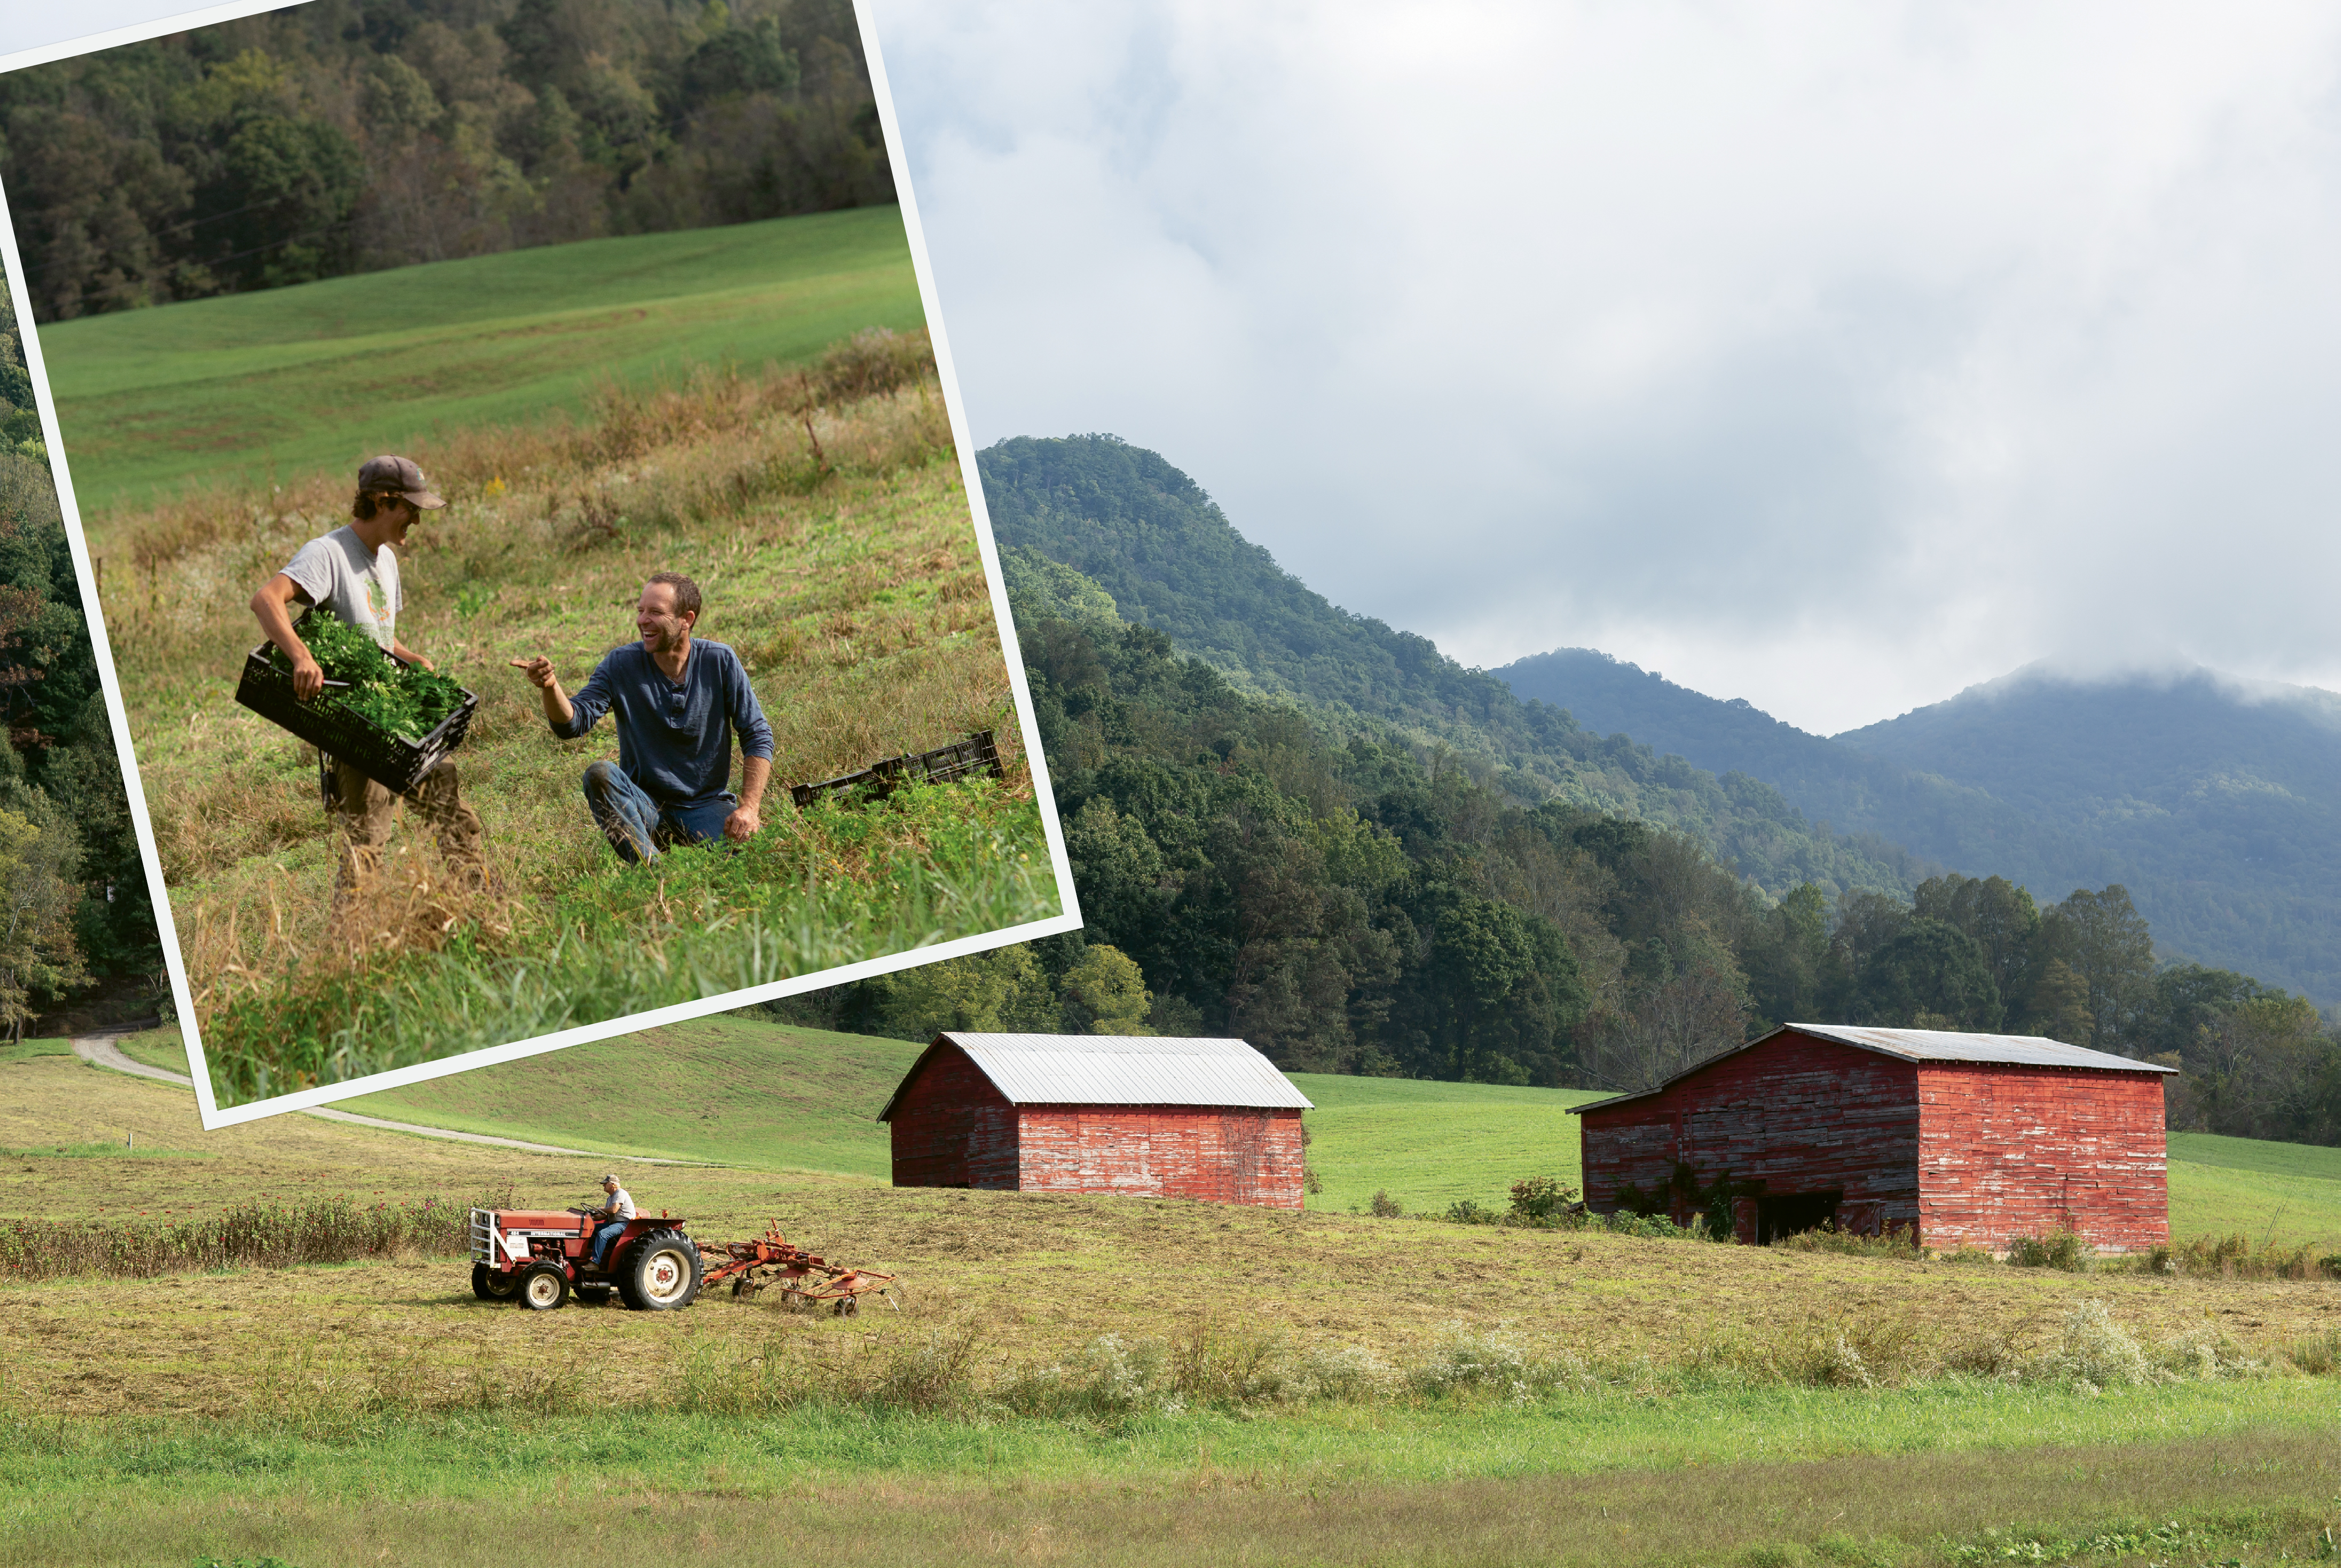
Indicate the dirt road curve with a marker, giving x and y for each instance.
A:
(101, 1050)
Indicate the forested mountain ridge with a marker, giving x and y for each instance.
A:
(1164, 555)
(1348, 899)
(2216, 804)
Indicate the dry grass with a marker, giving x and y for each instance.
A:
(820, 510)
(1042, 1276)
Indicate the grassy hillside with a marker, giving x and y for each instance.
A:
(732, 1089)
(1165, 556)
(821, 511)
(281, 382)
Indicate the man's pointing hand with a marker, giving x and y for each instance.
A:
(538, 671)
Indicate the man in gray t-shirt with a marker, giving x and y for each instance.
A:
(352, 573)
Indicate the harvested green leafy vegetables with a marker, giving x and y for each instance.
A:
(404, 700)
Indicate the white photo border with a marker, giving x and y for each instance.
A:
(962, 440)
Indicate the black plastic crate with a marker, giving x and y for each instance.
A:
(974, 757)
(391, 760)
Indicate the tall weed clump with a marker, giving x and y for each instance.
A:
(2059, 1249)
(2233, 1257)
(251, 1236)
(1899, 1242)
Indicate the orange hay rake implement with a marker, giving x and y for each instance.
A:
(804, 1279)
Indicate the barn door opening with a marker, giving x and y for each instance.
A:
(1786, 1214)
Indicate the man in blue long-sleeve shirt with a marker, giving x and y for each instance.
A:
(677, 700)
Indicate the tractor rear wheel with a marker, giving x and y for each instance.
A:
(543, 1288)
(664, 1274)
(490, 1286)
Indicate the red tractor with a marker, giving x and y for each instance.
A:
(538, 1257)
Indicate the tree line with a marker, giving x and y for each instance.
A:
(347, 136)
(1352, 901)
(74, 908)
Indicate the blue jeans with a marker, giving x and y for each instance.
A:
(639, 828)
(607, 1234)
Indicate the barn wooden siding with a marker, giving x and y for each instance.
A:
(1802, 1116)
(953, 1128)
(1973, 1153)
(2008, 1151)
(1224, 1155)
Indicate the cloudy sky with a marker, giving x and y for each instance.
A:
(1832, 356)
(1836, 356)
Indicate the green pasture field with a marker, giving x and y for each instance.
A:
(1430, 1144)
(821, 512)
(164, 1048)
(732, 1089)
(270, 386)
(329, 1414)
(26, 1050)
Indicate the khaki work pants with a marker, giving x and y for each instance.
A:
(364, 812)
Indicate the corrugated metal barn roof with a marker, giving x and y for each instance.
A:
(1927, 1046)
(1121, 1070)
(1945, 1045)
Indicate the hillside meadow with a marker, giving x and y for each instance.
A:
(1078, 1379)
(268, 386)
(823, 513)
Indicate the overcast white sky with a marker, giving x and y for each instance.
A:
(1832, 356)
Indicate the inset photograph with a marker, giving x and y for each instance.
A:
(533, 545)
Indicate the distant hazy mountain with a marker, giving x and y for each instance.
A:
(2221, 799)
(2216, 803)
(1151, 537)
(1852, 790)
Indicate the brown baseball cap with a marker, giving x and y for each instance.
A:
(398, 476)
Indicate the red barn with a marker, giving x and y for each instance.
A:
(1971, 1139)
(1146, 1116)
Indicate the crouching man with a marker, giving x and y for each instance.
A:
(678, 701)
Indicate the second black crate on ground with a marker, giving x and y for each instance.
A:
(975, 757)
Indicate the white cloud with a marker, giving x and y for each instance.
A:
(1832, 356)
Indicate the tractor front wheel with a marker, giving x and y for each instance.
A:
(543, 1288)
(490, 1286)
(664, 1273)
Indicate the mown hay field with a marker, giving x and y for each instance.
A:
(273, 385)
(1078, 1379)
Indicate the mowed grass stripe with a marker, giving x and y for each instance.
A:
(212, 391)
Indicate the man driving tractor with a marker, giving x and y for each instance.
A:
(614, 1214)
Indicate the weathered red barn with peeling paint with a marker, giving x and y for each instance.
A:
(1143, 1117)
(1971, 1139)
